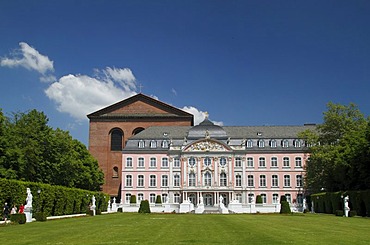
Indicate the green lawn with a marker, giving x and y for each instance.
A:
(125, 228)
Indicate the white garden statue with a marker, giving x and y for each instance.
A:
(28, 199)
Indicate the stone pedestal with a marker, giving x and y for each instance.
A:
(28, 213)
(199, 209)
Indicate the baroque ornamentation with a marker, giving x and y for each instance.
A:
(206, 146)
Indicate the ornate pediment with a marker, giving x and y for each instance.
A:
(206, 145)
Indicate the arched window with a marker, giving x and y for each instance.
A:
(223, 161)
(249, 143)
(191, 179)
(261, 143)
(141, 144)
(116, 137)
(273, 144)
(137, 130)
(207, 179)
(153, 144)
(115, 172)
(165, 144)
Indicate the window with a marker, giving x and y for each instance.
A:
(238, 162)
(164, 162)
(128, 180)
(298, 162)
(152, 198)
(141, 144)
(127, 198)
(274, 162)
(140, 163)
(273, 144)
(140, 197)
(207, 179)
(262, 180)
(239, 197)
(249, 143)
(286, 162)
(275, 198)
(250, 181)
(285, 143)
(153, 162)
(165, 144)
(207, 161)
(176, 162)
(223, 161)
(250, 162)
(153, 144)
(274, 181)
(238, 180)
(261, 143)
(164, 197)
(176, 180)
(129, 162)
(192, 179)
(286, 180)
(251, 198)
(116, 140)
(297, 143)
(153, 181)
(264, 198)
(299, 181)
(192, 161)
(164, 180)
(262, 162)
(115, 172)
(223, 179)
(288, 197)
(176, 198)
(140, 180)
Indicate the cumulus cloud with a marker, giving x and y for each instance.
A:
(29, 58)
(79, 95)
(199, 115)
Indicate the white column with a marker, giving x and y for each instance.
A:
(215, 162)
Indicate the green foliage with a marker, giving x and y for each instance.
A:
(133, 199)
(283, 198)
(18, 218)
(340, 151)
(52, 200)
(40, 216)
(259, 199)
(144, 207)
(158, 199)
(285, 208)
(30, 150)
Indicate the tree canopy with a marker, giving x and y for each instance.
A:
(30, 150)
(340, 151)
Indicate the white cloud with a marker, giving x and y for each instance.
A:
(199, 115)
(79, 95)
(174, 91)
(31, 59)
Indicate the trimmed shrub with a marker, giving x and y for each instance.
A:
(40, 216)
(158, 200)
(133, 199)
(18, 218)
(119, 210)
(282, 198)
(339, 213)
(285, 208)
(144, 207)
(259, 199)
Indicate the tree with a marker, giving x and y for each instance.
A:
(339, 149)
(33, 151)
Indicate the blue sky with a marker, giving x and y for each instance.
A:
(244, 62)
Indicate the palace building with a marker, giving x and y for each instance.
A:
(154, 150)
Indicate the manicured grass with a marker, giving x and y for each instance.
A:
(125, 228)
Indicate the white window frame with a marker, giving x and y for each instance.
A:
(238, 180)
(141, 162)
(164, 180)
(238, 162)
(152, 180)
(250, 180)
(128, 181)
(286, 162)
(129, 162)
(275, 180)
(287, 182)
(140, 178)
(298, 162)
(153, 162)
(164, 162)
(262, 180)
(176, 162)
(176, 180)
(153, 144)
(262, 162)
(250, 162)
(273, 161)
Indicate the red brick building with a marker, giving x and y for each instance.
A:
(110, 128)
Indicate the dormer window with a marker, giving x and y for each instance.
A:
(285, 143)
(153, 144)
(249, 143)
(297, 143)
(273, 144)
(165, 144)
(261, 143)
(141, 144)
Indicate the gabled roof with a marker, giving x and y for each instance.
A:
(132, 108)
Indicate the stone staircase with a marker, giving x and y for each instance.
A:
(211, 210)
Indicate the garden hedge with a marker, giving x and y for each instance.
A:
(332, 202)
(52, 200)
